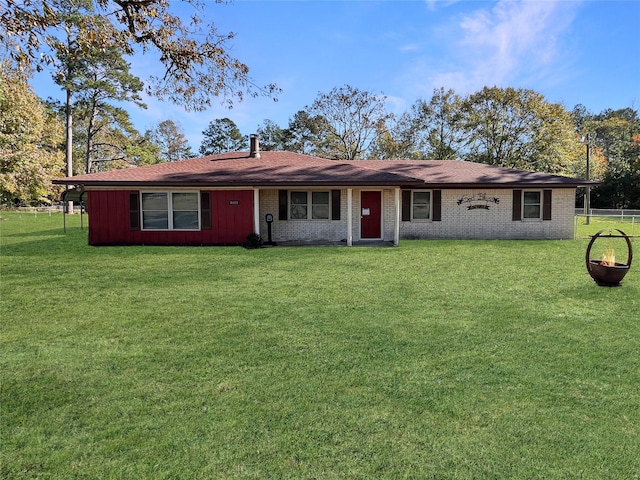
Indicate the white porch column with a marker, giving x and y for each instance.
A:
(396, 234)
(256, 210)
(349, 217)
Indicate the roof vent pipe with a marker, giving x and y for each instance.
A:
(254, 146)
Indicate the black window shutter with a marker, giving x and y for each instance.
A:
(517, 205)
(406, 205)
(335, 204)
(437, 205)
(282, 204)
(134, 211)
(205, 210)
(546, 205)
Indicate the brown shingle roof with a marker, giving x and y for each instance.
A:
(282, 169)
(460, 174)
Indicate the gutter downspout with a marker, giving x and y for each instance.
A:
(396, 233)
(349, 217)
(256, 210)
(254, 152)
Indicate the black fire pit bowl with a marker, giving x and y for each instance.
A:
(608, 275)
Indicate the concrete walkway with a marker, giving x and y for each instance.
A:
(320, 243)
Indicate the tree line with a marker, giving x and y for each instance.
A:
(498, 126)
(507, 127)
(85, 43)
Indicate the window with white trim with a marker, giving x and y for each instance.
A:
(420, 205)
(531, 205)
(310, 205)
(170, 210)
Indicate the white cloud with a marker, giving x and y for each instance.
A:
(410, 47)
(514, 38)
(432, 4)
(395, 105)
(511, 43)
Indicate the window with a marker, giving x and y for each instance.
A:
(320, 205)
(421, 205)
(170, 210)
(155, 211)
(185, 211)
(299, 205)
(531, 205)
(319, 201)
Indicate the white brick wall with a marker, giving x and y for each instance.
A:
(301, 230)
(458, 221)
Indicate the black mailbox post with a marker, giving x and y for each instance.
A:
(269, 219)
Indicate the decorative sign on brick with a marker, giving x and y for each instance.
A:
(477, 201)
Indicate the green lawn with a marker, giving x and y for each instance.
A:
(437, 359)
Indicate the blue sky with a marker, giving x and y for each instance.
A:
(572, 52)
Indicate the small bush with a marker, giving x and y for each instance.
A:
(253, 241)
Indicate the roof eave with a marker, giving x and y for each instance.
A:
(509, 185)
(325, 183)
(300, 183)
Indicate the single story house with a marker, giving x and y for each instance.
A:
(221, 199)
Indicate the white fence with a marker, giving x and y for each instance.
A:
(625, 216)
(632, 217)
(607, 212)
(48, 209)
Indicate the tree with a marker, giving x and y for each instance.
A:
(519, 129)
(68, 32)
(614, 131)
(397, 139)
(438, 125)
(170, 139)
(558, 149)
(70, 64)
(307, 133)
(95, 76)
(272, 137)
(352, 121)
(197, 65)
(104, 79)
(222, 135)
(617, 134)
(30, 143)
(619, 189)
(499, 123)
(115, 142)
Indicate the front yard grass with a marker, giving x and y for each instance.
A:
(438, 359)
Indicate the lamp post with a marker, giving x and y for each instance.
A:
(587, 199)
(588, 202)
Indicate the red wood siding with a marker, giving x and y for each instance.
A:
(109, 221)
(232, 215)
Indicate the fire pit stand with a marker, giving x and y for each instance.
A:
(605, 274)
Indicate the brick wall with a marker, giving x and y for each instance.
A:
(458, 220)
(301, 230)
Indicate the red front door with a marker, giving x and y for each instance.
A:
(370, 214)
